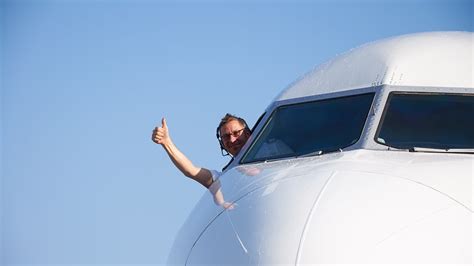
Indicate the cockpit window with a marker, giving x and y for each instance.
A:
(311, 128)
(438, 121)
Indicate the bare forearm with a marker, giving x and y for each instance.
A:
(201, 175)
(180, 160)
(161, 136)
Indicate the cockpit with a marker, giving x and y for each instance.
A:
(409, 120)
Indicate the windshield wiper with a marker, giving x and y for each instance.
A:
(314, 153)
(318, 153)
(447, 150)
(434, 150)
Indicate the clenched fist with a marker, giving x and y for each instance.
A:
(160, 134)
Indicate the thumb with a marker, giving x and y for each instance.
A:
(163, 123)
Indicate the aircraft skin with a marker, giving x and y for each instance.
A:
(364, 203)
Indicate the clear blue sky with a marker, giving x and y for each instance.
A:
(83, 83)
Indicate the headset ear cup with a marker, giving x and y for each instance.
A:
(218, 137)
(220, 143)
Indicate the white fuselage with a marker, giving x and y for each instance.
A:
(366, 202)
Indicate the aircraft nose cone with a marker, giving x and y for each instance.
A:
(337, 217)
(370, 218)
(266, 225)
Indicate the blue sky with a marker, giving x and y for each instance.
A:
(83, 83)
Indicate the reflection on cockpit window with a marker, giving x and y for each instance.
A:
(311, 128)
(438, 121)
(273, 147)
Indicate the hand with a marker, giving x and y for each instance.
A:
(160, 134)
(228, 205)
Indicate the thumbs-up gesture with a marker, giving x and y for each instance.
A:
(160, 134)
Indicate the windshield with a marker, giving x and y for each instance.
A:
(311, 128)
(440, 121)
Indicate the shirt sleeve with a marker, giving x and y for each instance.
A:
(216, 184)
(215, 174)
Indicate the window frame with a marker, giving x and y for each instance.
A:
(388, 102)
(320, 98)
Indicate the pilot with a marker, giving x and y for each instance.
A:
(232, 134)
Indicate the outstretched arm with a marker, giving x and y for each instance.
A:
(161, 136)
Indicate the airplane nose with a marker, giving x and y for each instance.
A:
(325, 217)
(251, 233)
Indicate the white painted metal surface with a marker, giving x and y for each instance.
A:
(432, 59)
(363, 205)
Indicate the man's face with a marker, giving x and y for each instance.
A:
(233, 136)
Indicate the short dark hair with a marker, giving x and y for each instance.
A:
(229, 117)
